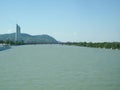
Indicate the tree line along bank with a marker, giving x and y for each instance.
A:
(108, 45)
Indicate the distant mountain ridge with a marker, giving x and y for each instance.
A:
(27, 38)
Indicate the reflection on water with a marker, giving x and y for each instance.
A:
(55, 67)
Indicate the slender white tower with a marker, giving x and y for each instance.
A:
(17, 34)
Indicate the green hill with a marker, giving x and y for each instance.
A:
(40, 39)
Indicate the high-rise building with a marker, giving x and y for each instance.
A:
(17, 34)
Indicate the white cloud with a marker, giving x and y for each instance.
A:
(75, 34)
(10, 31)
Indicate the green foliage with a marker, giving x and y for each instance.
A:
(19, 43)
(1, 42)
(108, 45)
(10, 42)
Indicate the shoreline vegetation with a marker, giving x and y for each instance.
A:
(106, 45)
(13, 43)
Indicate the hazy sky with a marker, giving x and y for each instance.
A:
(65, 20)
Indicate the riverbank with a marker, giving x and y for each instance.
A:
(106, 45)
(4, 47)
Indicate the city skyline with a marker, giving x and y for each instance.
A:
(65, 20)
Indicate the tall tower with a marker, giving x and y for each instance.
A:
(17, 34)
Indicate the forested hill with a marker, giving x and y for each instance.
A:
(30, 38)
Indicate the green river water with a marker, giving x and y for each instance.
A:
(57, 67)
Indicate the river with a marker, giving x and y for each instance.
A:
(57, 67)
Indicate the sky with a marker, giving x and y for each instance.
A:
(65, 20)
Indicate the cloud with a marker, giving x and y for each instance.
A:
(10, 31)
(75, 34)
